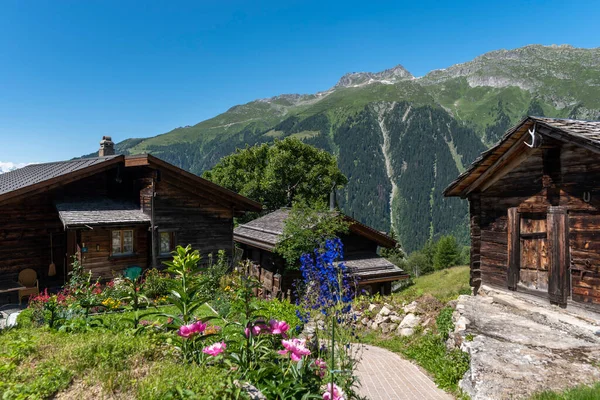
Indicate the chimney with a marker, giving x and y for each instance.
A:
(107, 147)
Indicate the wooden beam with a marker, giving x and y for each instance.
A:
(558, 252)
(514, 248)
(514, 150)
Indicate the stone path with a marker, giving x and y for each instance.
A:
(386, 375)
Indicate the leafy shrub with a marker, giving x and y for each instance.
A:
(282, 310)
(447, 367)
(418, 264)
(156, 283)
(444, 322)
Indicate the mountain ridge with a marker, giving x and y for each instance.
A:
(400, 139)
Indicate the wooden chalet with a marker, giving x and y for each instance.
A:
(535, 211)
(374, 273)
(112, 211)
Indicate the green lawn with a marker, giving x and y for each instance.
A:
(444, 285)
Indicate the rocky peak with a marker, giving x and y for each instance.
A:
(388, 76)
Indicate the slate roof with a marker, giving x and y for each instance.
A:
(100, 211)
(369, 267)
(38, 173)
(264, 232)
(579, 132)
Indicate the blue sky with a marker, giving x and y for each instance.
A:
(72, 71)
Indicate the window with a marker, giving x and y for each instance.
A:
(122, 242)
(167, 242)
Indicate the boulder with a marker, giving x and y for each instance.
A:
(385, 311)
(365, 321)
(385, 327)
(409, 321)
(411, 308)
(372, 307)
(405, 331)
(396, 318)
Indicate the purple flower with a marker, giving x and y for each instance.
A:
(295, 347)
(278, 327)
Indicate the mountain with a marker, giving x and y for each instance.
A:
(398, 138)
(6, 166)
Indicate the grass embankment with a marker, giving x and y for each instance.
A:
(106, 362)
(427, 347)
(577, 393)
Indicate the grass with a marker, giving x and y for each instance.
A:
(444, 285)
(577, 393)
(38, 363)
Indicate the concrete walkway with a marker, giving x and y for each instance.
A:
(386, 375)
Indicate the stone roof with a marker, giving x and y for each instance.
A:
(370, 267)
(265, 232)
(578, 132)
(38, 173)
(100, 211)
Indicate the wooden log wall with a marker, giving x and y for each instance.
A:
(569, 179)
(101, 263)
(25, 229)
(206, 225)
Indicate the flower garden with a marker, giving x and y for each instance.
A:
(195, 330)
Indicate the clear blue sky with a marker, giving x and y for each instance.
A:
(72, 71)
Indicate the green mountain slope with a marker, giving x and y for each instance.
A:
(400, 139)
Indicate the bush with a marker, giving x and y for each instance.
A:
(156, 284)
(447, 367)
(447, 253)
(418, 264)
(282, 311)
(444, 322)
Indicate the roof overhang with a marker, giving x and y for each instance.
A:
(511, 151)
(100, 212)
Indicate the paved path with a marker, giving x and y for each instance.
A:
(386, 375)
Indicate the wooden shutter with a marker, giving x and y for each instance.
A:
(558, 252)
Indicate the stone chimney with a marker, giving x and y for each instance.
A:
(107, 147)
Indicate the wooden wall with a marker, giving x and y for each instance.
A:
(569, 181)
(100, 262)
(198, 221)
(25, 229)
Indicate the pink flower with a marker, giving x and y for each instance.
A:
(278, 327)
(338, 393)
(256, 330)
(184, 331)
(191, 329)
(321, 366)
(296, 348)
(215, 349)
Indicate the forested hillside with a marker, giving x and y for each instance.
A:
(399, 139)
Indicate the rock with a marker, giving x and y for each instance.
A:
(365, 321)
(461, 324)
(379, 319)
(409, 321)
(405, 332)
(252, 391)
(372, 307)
(385, 311)
(452, 303)
(385, 327)
(411, 308)
(395, 318)
(393, 327)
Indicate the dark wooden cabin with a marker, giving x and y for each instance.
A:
(535, 211)
(112, 211)
(373, 273)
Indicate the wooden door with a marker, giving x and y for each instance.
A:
(534, 261)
